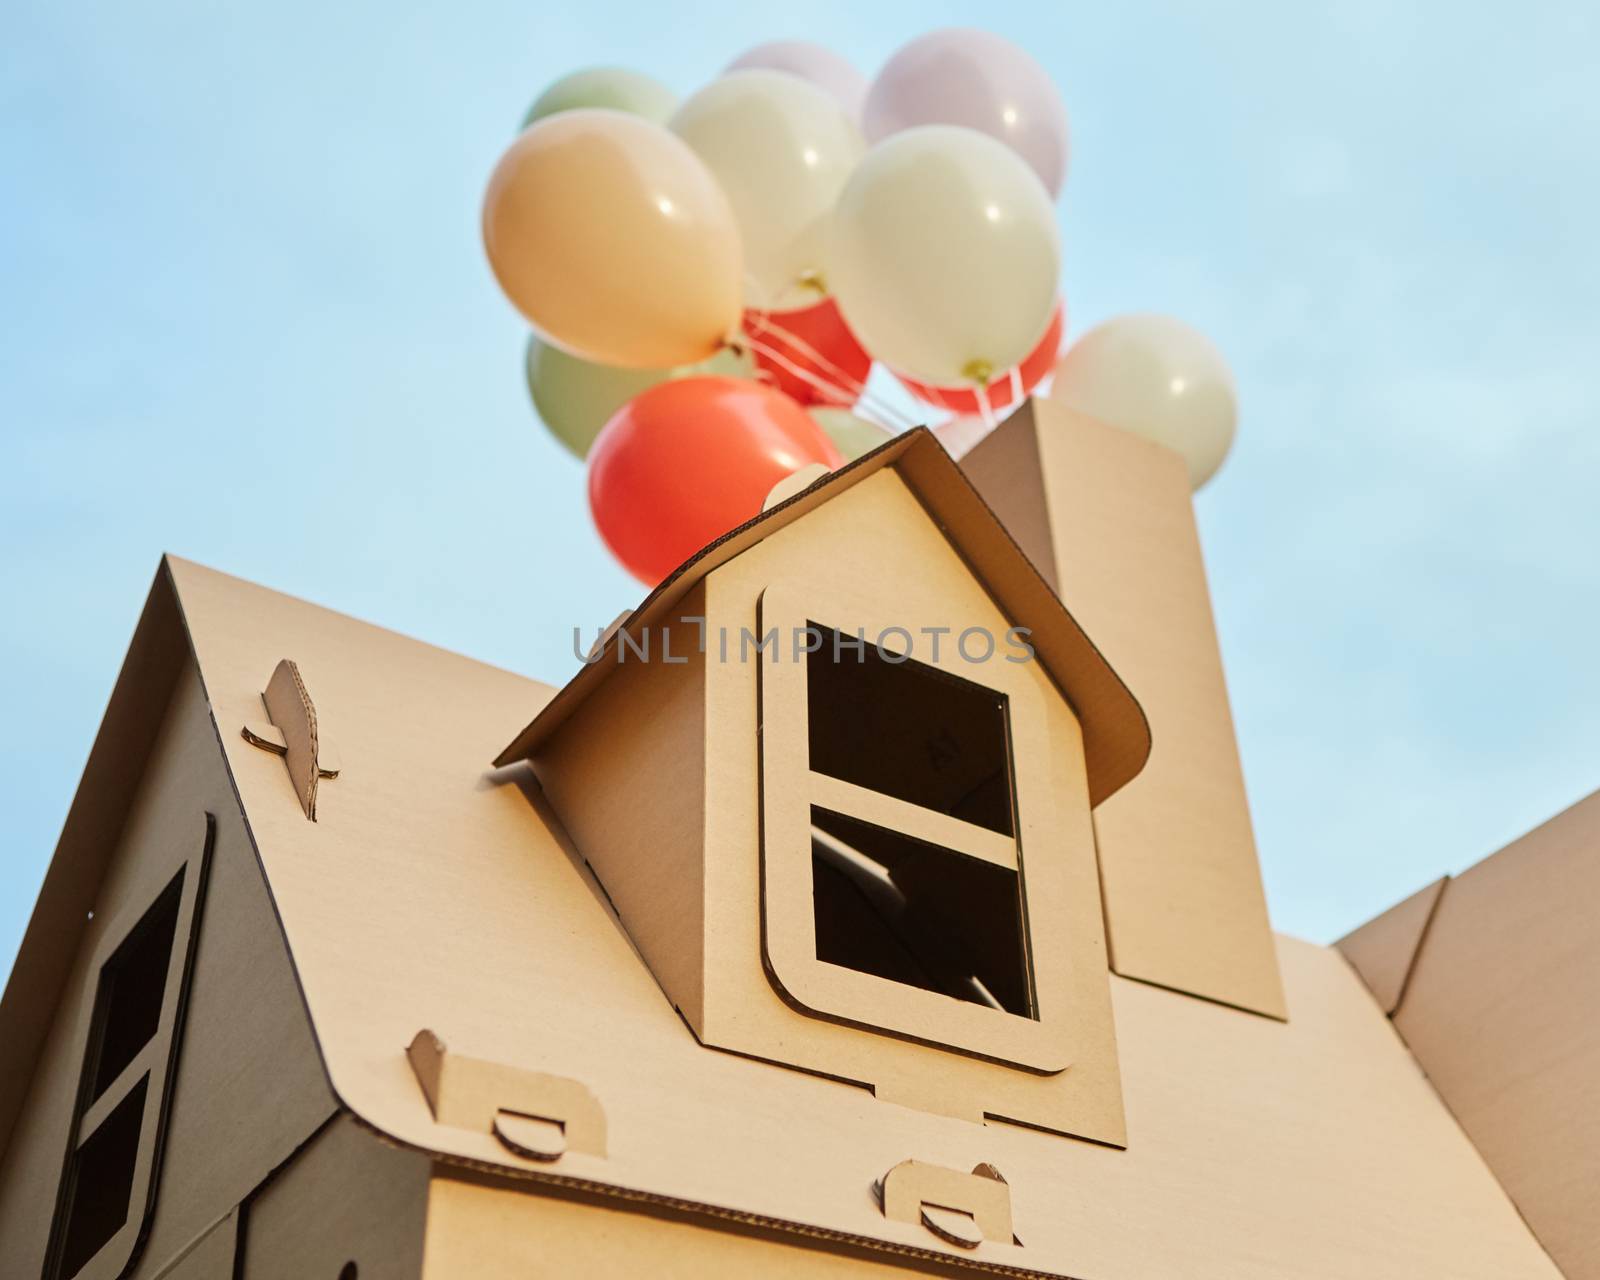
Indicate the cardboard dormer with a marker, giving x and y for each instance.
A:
(836, 775)
(1108, 518)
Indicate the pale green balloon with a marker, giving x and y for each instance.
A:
(615, 88)
(851, 435)
(575, 398)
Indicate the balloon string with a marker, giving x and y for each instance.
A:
(885, 414)
(1016, 385)
(986, 408)
(829, 389)
(855, 390)
(845, 381)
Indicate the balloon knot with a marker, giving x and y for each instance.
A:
(812, 279)
(979, 372)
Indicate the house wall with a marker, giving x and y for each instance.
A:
(249, 1086)
(496, 1232)
(348, 1206)
(626, 775)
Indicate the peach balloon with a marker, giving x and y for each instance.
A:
(611, 236)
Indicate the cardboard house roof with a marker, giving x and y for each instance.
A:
(430, 894)
(1116, 735)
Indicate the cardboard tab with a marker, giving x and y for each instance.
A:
(290, 709)
(1384, 949)
(963, 1209)
(492, 1097)
(796, 482)
(268, 737)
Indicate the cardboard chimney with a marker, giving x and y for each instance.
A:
(1107, 518)
(879, 900)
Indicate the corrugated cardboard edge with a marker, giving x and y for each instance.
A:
(88, 840)
(1115, 732)
(951, 1259)
(1383, 952)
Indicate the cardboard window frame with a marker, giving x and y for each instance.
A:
(789, 788)
(155, 1063)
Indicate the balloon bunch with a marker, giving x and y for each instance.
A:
(710, 282)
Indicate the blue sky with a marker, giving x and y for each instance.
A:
(244, 317)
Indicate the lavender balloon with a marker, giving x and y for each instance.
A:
(822, 67)
(973, 78)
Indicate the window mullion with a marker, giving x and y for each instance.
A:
(913, 820)
(94, 1115)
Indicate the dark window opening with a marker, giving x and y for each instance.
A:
(909, 730)
(96, 1193)
(127, 1002)
(918, 914)
(99, 1182)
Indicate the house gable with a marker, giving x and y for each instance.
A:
(246, 1082)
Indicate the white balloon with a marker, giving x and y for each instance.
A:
(821, 66)
(1158, 378)
(782, 150)
(944, 255)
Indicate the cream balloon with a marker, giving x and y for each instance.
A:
(852, 435)
(614, 240)
(943, 255)
(782, 150)
(814, 62)
(1158, 378)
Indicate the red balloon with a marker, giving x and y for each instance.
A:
(801, 336)
(685, 461)
(1005, 390)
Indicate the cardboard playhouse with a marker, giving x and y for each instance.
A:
(879, 899)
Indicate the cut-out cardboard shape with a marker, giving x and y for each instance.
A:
(471, 1093)
(293, 734)
(962, 1208)
(697, 710)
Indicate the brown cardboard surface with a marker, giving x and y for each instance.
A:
(346, 1198)
(1503, 1012)
(1116, 736)
(1384, 949)
(430, 896)
(250, 1084)
(209, 1258)
(1184, 903)
(647, 852)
